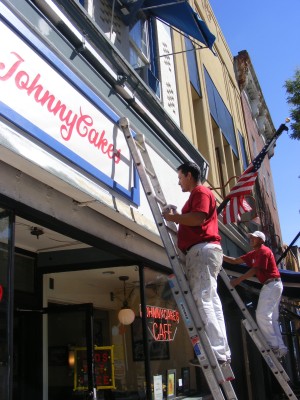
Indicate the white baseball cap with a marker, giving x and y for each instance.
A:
(258, 234)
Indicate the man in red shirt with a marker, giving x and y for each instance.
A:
(262, 265)
(199, 241)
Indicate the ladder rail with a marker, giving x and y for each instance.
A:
(252, 323)
(185, 300)
(259, 340)
(214, 376)
(196, 332)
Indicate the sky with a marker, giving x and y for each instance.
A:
(269, 30)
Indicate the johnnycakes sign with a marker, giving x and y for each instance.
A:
(43, 97)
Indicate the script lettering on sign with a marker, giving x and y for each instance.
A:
(44, 98)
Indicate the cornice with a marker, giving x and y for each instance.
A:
(248, 82)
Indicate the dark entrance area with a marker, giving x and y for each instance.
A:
(71, 327)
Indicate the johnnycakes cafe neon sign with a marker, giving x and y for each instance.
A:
(162, 323)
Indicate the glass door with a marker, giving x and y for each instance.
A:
(70, 352)
(6, 304)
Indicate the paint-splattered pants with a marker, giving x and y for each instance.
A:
(267, 313)
(203, 263)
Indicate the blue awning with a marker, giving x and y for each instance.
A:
(177, 13)
(290, 279)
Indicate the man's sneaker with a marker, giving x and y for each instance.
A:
(275, 350)
(282, 352)
(226, 369)
(222, 362)
(194, 362)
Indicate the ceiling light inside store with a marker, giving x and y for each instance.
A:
(126, 315)
(35, 231)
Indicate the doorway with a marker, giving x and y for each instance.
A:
(70, 327)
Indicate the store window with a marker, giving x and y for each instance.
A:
(170, 369)
(135, 356)
(6, 305)
(98, 323)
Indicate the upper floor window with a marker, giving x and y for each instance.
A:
(139, 44)
(254, 147)
(142, 53)
(220, 113)
(192, 65)
(243, 151)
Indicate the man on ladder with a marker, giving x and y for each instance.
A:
(262, 264)
(199, 242)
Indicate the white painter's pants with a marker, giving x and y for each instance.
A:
(203, 263)
(267, 313)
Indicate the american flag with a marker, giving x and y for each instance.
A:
(237, 205)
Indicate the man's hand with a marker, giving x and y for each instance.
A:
(251, 272)
(235, 282)
(169, 211)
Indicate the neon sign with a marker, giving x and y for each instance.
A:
(104, 368)
(162, 323)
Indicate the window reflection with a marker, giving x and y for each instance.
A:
(139, 44)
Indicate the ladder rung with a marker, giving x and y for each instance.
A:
(140, 146)
(172, 229)
(150, 173)
(160, 200)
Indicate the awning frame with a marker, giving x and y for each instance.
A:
(190, 24)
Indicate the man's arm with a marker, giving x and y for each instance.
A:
(232, 260)
(248, 274)
(189, 219)
(239, 260)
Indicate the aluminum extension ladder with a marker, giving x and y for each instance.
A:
(218, 377)
(260, 342)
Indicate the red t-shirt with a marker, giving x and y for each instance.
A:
(263, 259)
(201, 200)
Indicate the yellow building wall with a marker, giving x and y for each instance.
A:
(195, 118)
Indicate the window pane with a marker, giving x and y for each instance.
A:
(166, 334)
(139, 38)
(192, 65)
(220, 113)
(243, 150)
(4, 308)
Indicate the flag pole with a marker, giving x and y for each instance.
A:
(283, 255)
(279, 131)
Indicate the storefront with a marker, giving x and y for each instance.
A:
(66, 339)
(78, 242)
(77, 239)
